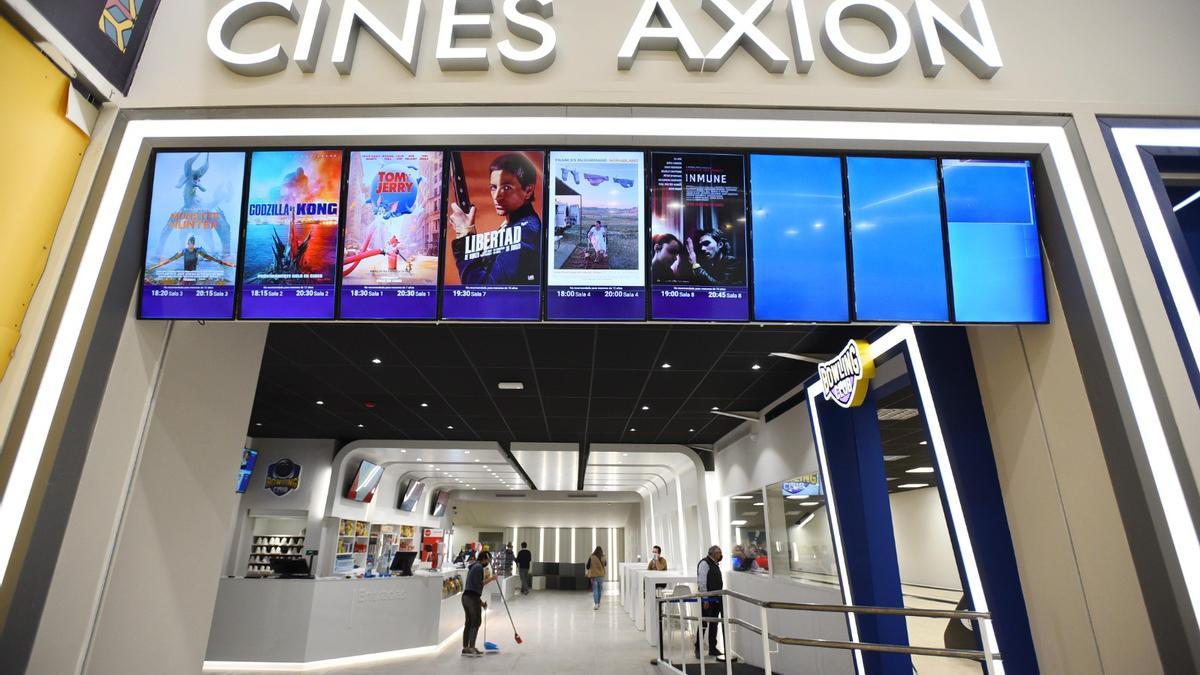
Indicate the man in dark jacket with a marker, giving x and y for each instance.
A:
(524, 560)
(709, 579)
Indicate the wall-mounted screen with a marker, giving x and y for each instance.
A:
(698, 237)
(802, 486)
(800, 271)
(595, 244)
(493, 258)
(365, 481)
(896, 234)
(291, 244)
(995, 252)
(440, 499)
(192, 236)
(410, 495)
(392, 235)
(249, 459)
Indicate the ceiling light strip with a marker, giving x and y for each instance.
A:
(396, 129)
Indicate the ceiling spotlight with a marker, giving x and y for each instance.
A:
(633, 428)
(624, 454)
(511, 386)
(376, 361)
(921, 469)
(258, 424)
(645, 407)
(666, 365)
(320, 402)
(922, 443)
(402, 450)
(450, 427)
(714, 408)
(420, 460)
(476, 460)
(692, 430)
(756, 367)
(360, 426)
(474, 488)
(424, 405)
(466, 452)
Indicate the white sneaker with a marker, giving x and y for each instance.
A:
(596, 606)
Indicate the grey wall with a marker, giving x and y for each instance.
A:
(1069, 55)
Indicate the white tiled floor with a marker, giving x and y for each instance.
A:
(561, 633)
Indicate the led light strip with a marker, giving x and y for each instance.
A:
(395, 129)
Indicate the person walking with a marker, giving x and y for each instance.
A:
(596, 571)
(657, 562)
(524, 560)
(709, 579)
(504, 561)
(473, 603)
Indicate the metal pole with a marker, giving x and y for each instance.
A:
(728, 642)
(766, 640)
(701, 640)
(682, 640)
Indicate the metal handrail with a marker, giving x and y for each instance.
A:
(984, 656)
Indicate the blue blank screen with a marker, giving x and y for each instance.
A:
(799, 239)
(995, 254)
(896, 234)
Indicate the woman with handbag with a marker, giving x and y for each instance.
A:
(596, 572)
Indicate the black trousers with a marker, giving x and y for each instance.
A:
(709, 610)
(474, 611)
(524, 571)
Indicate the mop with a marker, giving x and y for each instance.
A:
(516, 635)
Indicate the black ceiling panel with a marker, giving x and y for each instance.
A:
(582, 383)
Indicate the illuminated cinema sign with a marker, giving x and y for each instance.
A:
(844, 379)
(657, 26)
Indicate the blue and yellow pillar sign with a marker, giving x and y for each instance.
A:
(845, 378)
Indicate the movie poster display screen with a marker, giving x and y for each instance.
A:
(493, 236)
(192, 237)
(595, 267)
(698, 237)
(392, 235)
(291, 247)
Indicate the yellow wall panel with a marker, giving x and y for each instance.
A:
(41, 157)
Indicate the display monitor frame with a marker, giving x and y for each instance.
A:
(357, 485)
(246, 473)
(402, 563)
(405, 495)
(440, 500)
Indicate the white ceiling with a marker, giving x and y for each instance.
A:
(551, 466)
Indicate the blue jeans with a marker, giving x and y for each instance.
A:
(597, 589)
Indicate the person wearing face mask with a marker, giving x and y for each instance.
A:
(657, 562)
(473, 603)
(709, 579)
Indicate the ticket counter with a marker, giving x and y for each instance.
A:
(301, 621)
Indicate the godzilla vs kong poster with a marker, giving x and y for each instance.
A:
(291, 246)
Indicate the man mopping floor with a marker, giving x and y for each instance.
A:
(473, 603)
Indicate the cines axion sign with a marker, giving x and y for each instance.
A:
(657, 26)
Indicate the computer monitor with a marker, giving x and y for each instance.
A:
(290, 568)
(403, 561)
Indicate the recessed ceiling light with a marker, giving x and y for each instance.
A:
(913, 485)
(474, 488)
(476, 460)
(360, 426)
(466, 452)
(510, 386)
(402, 450)
(258, 424)
(795, 497)
(738, 522)
(714, 408)
(666, 365)
(645, 407)
(792, 513)
(450, 427)
(892, 458)
(376, 361)
(633, 428)
(624, 454)
(756, 367)
(742, 497)
(922, 443)
(692, 430)
(758, 503)
(424, 405)
(921, 469)
(808, 503)
(420, 460)
(320, 402)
